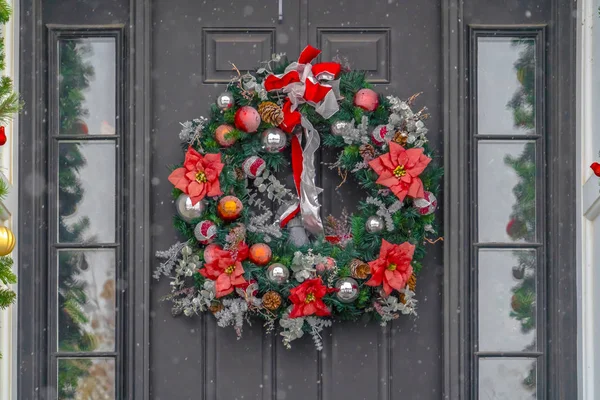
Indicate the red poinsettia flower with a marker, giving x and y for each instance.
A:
(226, 271)
(400, 169)
(392, 268)
(596, 168)
(307, 299)
(199, 176)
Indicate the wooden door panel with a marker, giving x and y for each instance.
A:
(192, 46)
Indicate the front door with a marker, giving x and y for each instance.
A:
(194, 46)
(106, 85)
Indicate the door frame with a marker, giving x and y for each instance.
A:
(561, 346)
(562, 367)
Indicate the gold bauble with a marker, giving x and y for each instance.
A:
(7, 241)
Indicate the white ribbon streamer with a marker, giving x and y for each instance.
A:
(309, 192)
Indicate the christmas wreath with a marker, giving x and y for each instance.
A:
(256, 247)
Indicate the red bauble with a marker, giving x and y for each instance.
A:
(211, 252)
(222, 134)
(260, 254)
(229, 208)
(595, 166)
(367, 99)
(247, 119)
(2, 136)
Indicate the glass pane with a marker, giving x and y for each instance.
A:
(86, 378)
(86, 193)
(507, 300)
(87, 86)
(505, 85)
(507, 379)
(506, 191)
(86, 300)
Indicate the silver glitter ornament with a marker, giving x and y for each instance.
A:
(278, 273)
(273, 140)
(186, 210)
(374, 224)
(347, 290)
(225, 101)
(338, 128)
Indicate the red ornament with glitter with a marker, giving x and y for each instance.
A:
(426, 204)
(260, 254)
(247, 119)
(205, 231)
(2, 136)
(379, 134)
(223, 135)
(229, 208)
(367, 99)
(254, 166)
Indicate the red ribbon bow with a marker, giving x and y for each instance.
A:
(314, 92)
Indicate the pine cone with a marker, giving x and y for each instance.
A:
(270, 113)
(367, 151)
(359, 269)
(412, 282)
(271, 300)
(215, 307)
(401, 138)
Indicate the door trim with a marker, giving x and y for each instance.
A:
(138, 181)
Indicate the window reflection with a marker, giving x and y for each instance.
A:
(507, 379)
(86, 379)
(86, 199)
(506, 191)
(507, 294)
(505, 85)
(86, 298)
(87, 86)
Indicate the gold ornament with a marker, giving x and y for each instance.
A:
(271, 113)
(359, 269)
(7, 241)
(271, 300)
(401, 138)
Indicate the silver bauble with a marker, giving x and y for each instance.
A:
(278, 273)
(338, 128)
(374, 224)
(225, 101)
(273, 140)
(347, 290)
(518, 272)
(186, 210)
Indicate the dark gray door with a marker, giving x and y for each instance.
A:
(193, 42)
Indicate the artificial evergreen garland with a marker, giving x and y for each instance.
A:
(252, 245)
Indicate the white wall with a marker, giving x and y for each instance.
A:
(588, 127)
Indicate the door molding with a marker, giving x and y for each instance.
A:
(138, 178)
(456, 234)
(32, 227)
